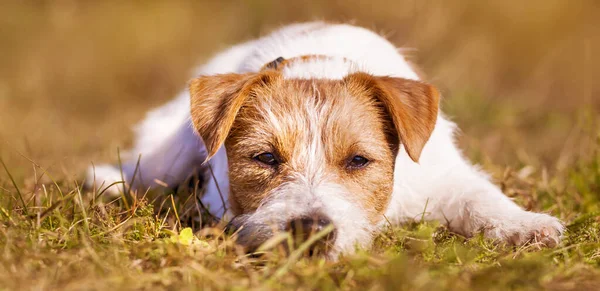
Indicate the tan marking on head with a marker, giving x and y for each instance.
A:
(315, 127)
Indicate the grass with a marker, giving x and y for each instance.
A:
(73, 74)
(59, 239)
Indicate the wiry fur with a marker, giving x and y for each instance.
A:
(248, 108)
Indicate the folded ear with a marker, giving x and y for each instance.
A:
(215, 102)
(411, 105)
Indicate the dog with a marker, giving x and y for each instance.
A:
(321, 126)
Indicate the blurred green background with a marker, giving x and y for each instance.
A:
(519, 77)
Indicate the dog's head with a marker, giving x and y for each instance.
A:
(305, 153)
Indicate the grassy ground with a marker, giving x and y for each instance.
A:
(518, 79)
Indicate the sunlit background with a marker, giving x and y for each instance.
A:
(519, 77)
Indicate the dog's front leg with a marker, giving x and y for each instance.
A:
(469, 204)
(447, 188)
(472, 204)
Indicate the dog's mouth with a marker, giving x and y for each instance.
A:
(310, 236)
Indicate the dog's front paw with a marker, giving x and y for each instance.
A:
(527, 227)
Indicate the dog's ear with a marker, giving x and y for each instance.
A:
(215, 102)
(411, 105)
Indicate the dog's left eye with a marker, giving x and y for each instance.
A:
(357, 162)
(267, 159)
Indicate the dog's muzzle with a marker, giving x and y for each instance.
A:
(315, 229)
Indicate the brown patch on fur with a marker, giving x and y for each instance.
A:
(412, 105)
(215, 101)
(314, 127)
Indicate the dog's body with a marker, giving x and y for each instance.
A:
(323, 60)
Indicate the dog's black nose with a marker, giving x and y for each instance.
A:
(304, 227)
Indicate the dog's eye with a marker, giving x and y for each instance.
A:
(357, 162)
(267, 159)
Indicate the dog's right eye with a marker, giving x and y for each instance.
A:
(357, 162)
(267, 159)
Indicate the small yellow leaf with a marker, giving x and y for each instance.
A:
(185, 237)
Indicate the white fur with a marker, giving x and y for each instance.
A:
(443, 186)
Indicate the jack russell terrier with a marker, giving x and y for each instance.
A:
(320, 124)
